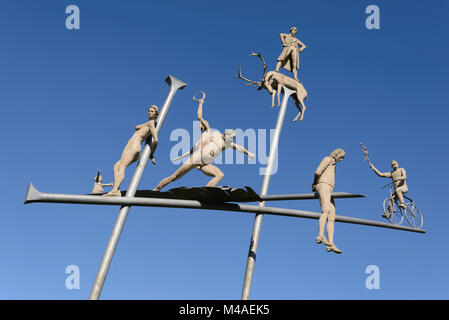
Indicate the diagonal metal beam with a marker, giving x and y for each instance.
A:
(175, 85)
(33, 195)
(251, 260)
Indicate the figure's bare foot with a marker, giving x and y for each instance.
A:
(322, 239)
(113, 193)
(402, 205)
(333, 248)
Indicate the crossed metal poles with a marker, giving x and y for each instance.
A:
(250, 264)
(33, 195)
(175, 85)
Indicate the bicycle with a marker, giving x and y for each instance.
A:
(395, 214)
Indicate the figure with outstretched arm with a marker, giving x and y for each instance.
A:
(323, 185)
(98, 184)
(131, 153)
(203, 153)
(399, 178)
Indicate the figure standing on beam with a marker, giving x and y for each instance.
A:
(323, 184)
(289, 57)
(131, 153)
(204, 152)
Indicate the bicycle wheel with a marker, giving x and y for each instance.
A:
(413, 215)
(392, 212)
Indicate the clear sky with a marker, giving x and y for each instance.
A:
(70, 100)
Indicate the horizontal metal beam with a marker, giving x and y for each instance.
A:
(33, 195)
(307, 196)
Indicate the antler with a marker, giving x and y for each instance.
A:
(251, 82)
(263, 61)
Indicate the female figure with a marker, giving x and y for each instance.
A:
(131, 153)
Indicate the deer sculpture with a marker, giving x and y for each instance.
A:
(273, 81)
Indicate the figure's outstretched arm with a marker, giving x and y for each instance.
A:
(380, 174)
(183, 156)
(242, 149)
(195, 147)
(204, 124)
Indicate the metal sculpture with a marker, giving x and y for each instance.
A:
(98, 184)
(323, 185)
(273, 82)
(204, 152)
(174, 85)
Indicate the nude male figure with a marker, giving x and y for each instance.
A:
(323, 184)
(131, 153)
(289, 57)
(203, 153)
(399, 176)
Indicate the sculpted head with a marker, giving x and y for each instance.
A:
(98, 178)
(338, 154)
(153, 112)
(229, 135)
(394, 165)
(293, 31)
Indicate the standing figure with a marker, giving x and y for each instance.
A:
(203, 153)
(98, 184)
(131, 153)
(289, 58)
(323, 185)
(399, 176)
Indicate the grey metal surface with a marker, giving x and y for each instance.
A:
(175, 85)
(33, 195)
(250, 263)
(306, 196)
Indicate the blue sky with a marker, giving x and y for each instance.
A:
(70, 100)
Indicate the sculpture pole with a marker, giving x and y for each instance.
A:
(175, 85)
(250, 264)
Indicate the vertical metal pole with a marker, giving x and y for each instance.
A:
(250, 264)
(175, 85)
